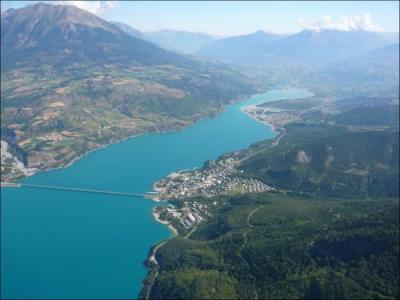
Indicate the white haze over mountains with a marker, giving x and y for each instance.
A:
(95, 7)
(345, 23)
(348, 23)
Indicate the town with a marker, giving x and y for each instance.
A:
(216, 178)
(219, 177)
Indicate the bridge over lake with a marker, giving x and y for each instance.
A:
(81, 190)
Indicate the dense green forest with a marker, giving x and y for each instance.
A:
(286, 246)
(332, 162)
(351, 154)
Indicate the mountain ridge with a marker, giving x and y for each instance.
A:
(180, 41)
(307, 46)
(44, 30)
(233, 49)
(72, 82)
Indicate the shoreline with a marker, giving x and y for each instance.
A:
(278, 131)
(154, 197)
(34, 170)
(275, 129)
(156, 216)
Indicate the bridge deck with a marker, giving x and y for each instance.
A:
(52, 187)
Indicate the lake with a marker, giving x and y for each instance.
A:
(62, 244)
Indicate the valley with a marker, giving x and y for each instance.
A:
(55, 112)
(160, 162)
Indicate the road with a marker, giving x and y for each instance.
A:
(154, 259)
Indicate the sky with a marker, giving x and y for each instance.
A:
(226, 18)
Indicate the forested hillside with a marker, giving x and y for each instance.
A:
(329, 231)
(331, 161)
(286, 246)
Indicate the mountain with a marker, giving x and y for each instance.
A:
(347, 147)
(130, 30)
(180, 41)
(327, 46)
(235, 49)
(67, 34)
(386, 58)
(301, 58)
(306, 47)
(375, 71)
(72, 82)
(339, 164)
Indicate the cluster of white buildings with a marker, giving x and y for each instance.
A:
(217, 178)
(189, 215)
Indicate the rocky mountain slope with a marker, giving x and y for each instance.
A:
(184, 42)
(72, 82)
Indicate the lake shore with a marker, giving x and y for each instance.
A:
(166, 129)
(172, 228)
(34, 170)
(136, 166)
(273, 127)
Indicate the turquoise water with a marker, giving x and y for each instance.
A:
(60, 244)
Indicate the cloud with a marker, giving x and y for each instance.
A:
(95, 7)
(349, 23)
(270, 29)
